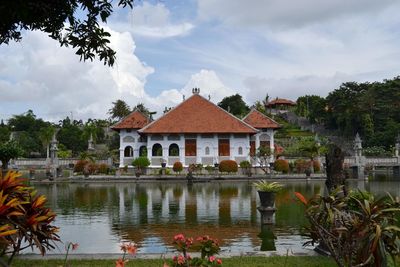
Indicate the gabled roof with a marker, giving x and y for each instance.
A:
(198, 115)
(281, 101)
(260, 121)
(135, 120)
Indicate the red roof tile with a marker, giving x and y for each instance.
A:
(198, 115)
(259, 120)
(135, 120)
(281, 101)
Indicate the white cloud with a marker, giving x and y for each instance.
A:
(153, 21)
(285, 13)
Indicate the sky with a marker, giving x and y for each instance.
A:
(282, 48)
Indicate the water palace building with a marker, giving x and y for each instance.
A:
(195, 131)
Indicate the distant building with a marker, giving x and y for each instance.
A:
(279, 105)
(195, 131)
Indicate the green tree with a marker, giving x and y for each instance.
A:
(9, 150)
(119, 110)
(71, 135)
(72, 23)
(235, 105)
(46, 135)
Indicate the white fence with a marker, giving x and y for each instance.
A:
(43, 162)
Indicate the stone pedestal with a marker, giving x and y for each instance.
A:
(267, 214)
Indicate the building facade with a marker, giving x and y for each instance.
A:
(195, 131)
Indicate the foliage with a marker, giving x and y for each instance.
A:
(103, 168)
(378, 151)
(119, 110)
(358, 230)
(71, 135)
(281, 165)
(265, 186)
(25, 222)
(4, 132)
(263, 156)
(90, 168)
(301, 165)
(9, 150)
(143, 109)
(63, 153)
(316, 165)
(228, 166)
(245, 164)
(80, 165)
(141, 162)
(45, 136)
(209, 168)
(311, 107)
(235, 105)
(207, 246)
(177, 167)
(62, 21)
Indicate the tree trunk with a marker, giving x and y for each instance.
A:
(334, 168)
(47, 151)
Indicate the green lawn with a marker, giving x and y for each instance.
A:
(290, 261)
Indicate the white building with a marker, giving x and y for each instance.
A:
(195, 131)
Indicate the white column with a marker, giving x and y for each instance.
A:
(215, 148)
(231, 148)
(121, 157)
(257, 141)
(272, 144)
(149, 153)
(165, 152)
(198, 149)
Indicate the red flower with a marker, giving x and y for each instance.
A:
(179, 237)
(219, 261)
(301, 198)
(120, 263)
(211, 259)
(181, 260)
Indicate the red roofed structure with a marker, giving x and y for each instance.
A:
(280, 102)
(195, 131)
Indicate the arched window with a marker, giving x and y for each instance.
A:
(128, 152)
(207, 150)
(173, 150)
(143, 151)
(240, 150)
(156, 150)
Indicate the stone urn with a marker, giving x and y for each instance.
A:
(267, 199)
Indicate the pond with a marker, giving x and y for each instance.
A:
(99, 216)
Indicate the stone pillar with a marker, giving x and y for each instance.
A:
(165, 154)
(257, 146)
(182, 155)
(121, 157)
(149, 151)
(360, 159)
(198, 150)
(231, 148)
(91, 143)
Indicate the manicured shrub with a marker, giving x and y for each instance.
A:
(103, 168)
(178, 167)
(141, 162)
(80, 165)
(228, 166)
(317, 166)
(91, 168)
(245, 164)
(281, 165)
(301, 165)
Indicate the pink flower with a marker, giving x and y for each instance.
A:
(74, 246)
(179, 237)
(130, 248)
(211, 259)
(181, 259)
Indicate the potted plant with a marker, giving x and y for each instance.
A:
(163, 163)
(141, 163)
(267, 191)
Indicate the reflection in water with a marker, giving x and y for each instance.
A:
(100, 216)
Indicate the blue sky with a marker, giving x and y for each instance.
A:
(282, 48)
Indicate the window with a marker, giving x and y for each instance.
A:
(207, 150)
(240, 150)
(190, 147)
(173, 150)
(128, 151)
(157, 150)
(143, 151)
(223, 147)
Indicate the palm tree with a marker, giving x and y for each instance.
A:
(46, 135)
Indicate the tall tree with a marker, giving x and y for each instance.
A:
(46, 135)
(72, 23)
(119, 110)
(235, 105)
(9, 150)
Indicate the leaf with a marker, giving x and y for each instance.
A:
(301, 198)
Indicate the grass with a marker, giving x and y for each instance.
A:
(291, 261)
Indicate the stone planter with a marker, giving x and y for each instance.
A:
(163, 164)
(267, 199)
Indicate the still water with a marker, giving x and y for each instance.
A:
(99, 216)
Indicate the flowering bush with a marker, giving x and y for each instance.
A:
(103, 168)
(281, 165)
(206, 245)
(80, 165)
(228, 166)
(317, 166)
(178, 167)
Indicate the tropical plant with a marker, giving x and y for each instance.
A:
(263, 156)
(228, 166)
(245, 164)
(45, 135)
(281, 165)
(25, 221)
(80, 165)
(141, 162)
(9, 150)
(265, 186)
(129, 248)
(119, 110)
(357, 230)
(177, 167)
(103, 168)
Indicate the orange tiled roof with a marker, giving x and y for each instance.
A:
(135, 120)
(198, 115)
(260, 121)
(281, 101)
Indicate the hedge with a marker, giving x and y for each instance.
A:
(228, 166)
(281, 165)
